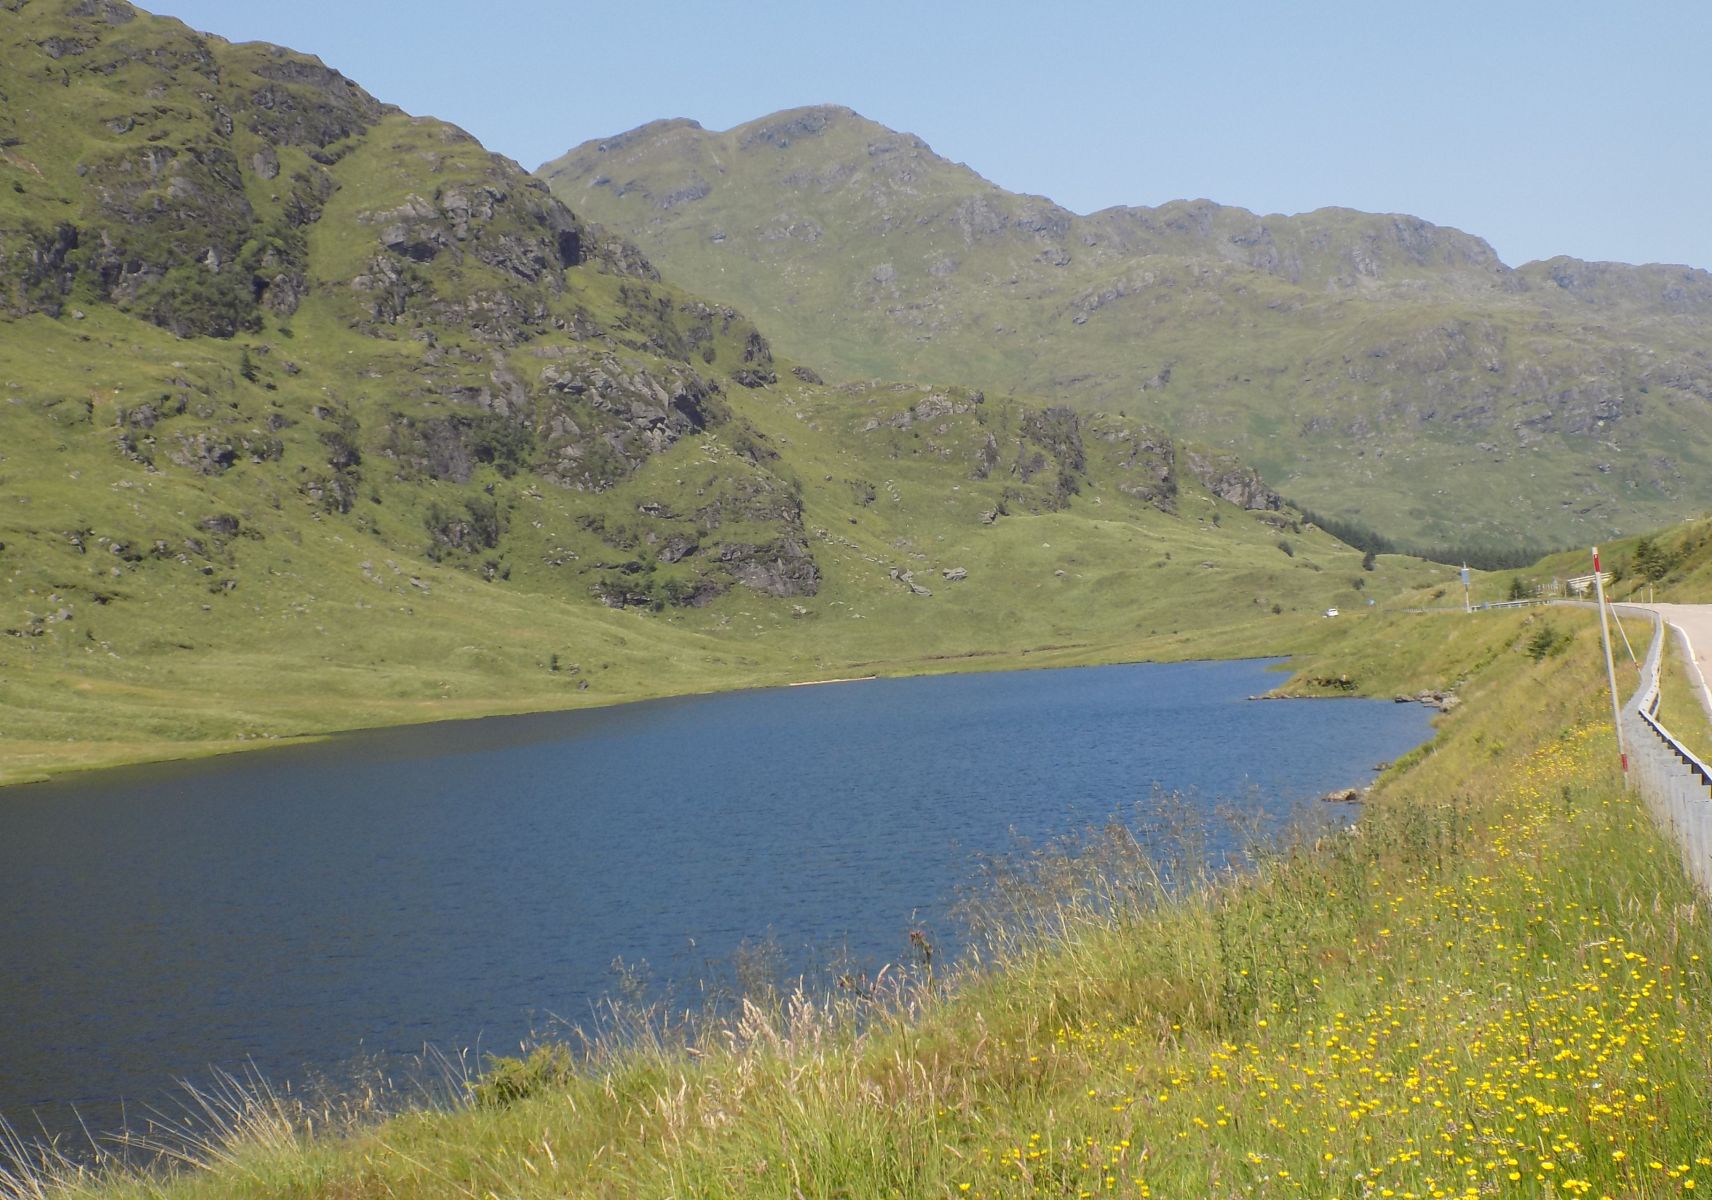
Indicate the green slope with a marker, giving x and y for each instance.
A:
(1375, 367)
(316, 415)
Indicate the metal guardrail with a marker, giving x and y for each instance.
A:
(1676, 785)
(1528, 603)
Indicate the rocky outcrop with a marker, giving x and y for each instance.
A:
(757, 369)
(1146, 464)
(193, 209)
(161, 221)
(1052, 437)
(935, 407)
(203, 452)
(296, 100)
(780, 130)
(1654, 287)
(616, 256)
(780, 568)
(1443, 701)
(1228, 479)
(512, 226)
(36, 274)
(601, 421)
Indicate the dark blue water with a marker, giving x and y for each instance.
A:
(458, 884)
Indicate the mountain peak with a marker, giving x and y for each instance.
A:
(642, 134)
(794, 124)
(1662, 287)
(1369, 363)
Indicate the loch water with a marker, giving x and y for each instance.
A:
(458, 885)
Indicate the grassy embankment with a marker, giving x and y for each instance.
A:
(1680, 708)
(1495, 984)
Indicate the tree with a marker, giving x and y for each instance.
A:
(1652, 561)
(1368, 559)
(1546, 641)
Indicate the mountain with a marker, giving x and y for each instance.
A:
(245, 193)
(315, 414)
(1377, 368)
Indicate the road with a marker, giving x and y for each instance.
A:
(1696, 621)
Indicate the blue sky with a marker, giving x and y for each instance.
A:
(1546, 128)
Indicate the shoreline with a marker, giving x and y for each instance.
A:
(824, 682)
(127, 755)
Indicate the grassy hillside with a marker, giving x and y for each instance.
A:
(1376, 368)
(315, 415)
(1672, 564)
(153, 609)
(1494, 984)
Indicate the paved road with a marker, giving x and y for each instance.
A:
(1696, 621)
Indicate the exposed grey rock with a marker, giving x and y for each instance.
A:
(616, 256)
(757, 370)
(114, 12)
(282, 295)
(785, 127)
(204, 454)
(676, 549)
(781, 568)
(1233, 481)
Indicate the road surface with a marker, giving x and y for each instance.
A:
(1696, 621)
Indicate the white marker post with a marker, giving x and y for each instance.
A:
(1467, 604)
(1610, 667)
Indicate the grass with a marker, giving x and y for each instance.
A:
(1495, 983)
(1681, 709)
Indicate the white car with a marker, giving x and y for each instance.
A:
(1331, 612)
